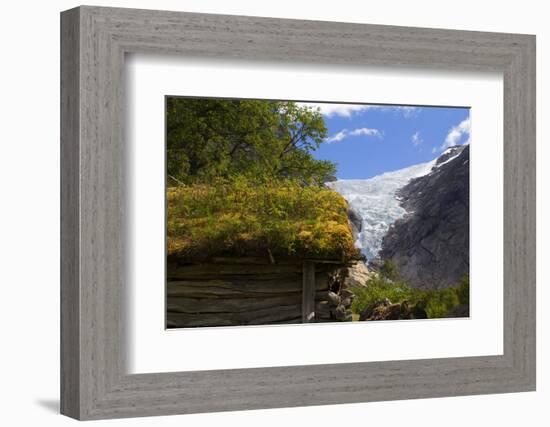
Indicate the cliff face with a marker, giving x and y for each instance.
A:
(356, 222)
(430, 244)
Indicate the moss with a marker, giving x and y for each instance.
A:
(243, 217)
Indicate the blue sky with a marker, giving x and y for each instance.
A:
(367, 140)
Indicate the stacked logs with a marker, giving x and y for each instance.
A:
(249, 291)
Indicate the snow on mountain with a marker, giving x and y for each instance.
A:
(448, 155)
(375, 200)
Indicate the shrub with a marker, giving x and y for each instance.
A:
(437, 303)
(463, 290)
(389, 270)
(440, 302)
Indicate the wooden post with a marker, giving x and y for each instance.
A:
(308, 292)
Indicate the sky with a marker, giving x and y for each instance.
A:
(367, 140)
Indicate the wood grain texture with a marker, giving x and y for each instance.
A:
(70, 314)
(94, 380)
(308, 292)
(229, 293)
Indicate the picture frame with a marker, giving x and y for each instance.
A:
(94, 380)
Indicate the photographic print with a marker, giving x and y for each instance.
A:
(286, 212)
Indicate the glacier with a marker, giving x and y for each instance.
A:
(376, 202)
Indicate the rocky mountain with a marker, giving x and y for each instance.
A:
(374, 206)
(417, 217)
(429, 245)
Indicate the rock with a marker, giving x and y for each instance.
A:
(346, 293)
(346, 302)
(358, 275)
(333, 299)
(334, 304)
(356, 222)
(369, 309)
(448, 154)
(429, 246)
(385, 310)
(340, 312)
(376, 265)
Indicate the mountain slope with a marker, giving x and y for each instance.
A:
(429, 245)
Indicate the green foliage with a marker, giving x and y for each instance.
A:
(437, 303)
(463, 290)
(242, 217)
(212, 138)
(389, 270)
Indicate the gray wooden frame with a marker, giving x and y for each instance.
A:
(94, 41)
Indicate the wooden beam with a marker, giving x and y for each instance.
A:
(308, 292)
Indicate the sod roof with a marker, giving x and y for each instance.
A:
(275, 219)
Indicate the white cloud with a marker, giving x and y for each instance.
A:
(416, 139)
(457, 133)
(407, 112)
(338, 137)
(344, 133)
(342, 110)
(347, 110)
(366, 131)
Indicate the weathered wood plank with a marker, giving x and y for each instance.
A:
(218, 270)
(308, 292)
(241, 260)
(295, 320)
(258, 271)
(244, 285)
(240, 288)
(235, 305)
(211, 292)
(225, 287)
(256, 317)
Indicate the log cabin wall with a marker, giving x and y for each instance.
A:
(245, 291)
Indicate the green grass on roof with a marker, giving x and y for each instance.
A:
(239, 217)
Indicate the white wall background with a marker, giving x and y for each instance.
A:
(29, 213)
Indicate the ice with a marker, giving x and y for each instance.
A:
(374, 199)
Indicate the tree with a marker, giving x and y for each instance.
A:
(209, 138)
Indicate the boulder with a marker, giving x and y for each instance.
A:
(358, 274)
(384, 310)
